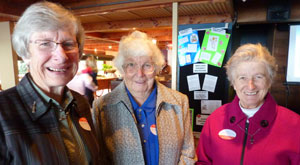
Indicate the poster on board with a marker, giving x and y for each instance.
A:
(213, 47)
(188, 47)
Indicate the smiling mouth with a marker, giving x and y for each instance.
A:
(251, 93)
(56, 70)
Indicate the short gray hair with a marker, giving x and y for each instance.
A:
(44, 16)
(251, 52)
(138, 44)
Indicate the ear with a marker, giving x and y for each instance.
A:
(233, 85)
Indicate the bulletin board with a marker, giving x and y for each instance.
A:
(204, 100)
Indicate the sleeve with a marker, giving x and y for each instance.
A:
(188, 149)
(4, 154)
(203, 145)
(96, 117)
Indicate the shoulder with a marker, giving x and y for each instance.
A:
(8, 92)
(9, 95)
(218, 114)
(113, 97)
(287, 116)
(169, 95)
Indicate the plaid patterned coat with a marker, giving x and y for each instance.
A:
(30, 136)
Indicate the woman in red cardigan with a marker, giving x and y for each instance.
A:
(252, 129)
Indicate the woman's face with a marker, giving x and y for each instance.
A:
(53, 66)
(139, 73)
(251, 83)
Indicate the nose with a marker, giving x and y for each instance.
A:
(60, 54)
(140, 71)
(251, 84)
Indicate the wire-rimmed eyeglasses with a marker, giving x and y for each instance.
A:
(49, 46)
(131, 67)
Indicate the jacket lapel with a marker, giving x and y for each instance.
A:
(35, 105)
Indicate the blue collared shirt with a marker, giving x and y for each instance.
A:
(146, 119)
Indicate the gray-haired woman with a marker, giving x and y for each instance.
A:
(41, 120)
(142, 121)
(252, 129)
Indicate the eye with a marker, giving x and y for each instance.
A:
(259, 76)
(148, 66)
(69, 44)
(45, 44)
(130, 65)
(242, 78)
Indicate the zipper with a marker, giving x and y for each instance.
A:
(245, 142)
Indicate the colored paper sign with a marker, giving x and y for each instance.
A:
(214, 47)
(188, 47)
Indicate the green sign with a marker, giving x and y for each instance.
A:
(213, 47)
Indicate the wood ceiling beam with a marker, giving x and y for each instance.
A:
(153, 23)
(8, 17)
(102, 39)
(98, 7)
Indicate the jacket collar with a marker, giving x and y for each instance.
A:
(264, 117)
(120, 92)
(31, 99)
(35, 105)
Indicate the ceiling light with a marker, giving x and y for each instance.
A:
(154, 41)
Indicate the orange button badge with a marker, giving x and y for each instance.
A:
(84, 124)
(227, 134)
(153, 129)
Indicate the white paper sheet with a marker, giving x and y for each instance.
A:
(200, 119)
(185, 31)
(192, 48)
(200, 95)
(188, 58)
(208, 106)
(216, 58)
(209, 83)
(205, 56)
(193, 82)
(212, 43)
(200, 68)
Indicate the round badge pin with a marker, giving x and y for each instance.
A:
(227, 134)
(153, 129)
(84, 124)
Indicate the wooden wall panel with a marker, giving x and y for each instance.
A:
(278, 90)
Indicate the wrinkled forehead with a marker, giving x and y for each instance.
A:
(138, 59)
(250, 68)
(58, 35)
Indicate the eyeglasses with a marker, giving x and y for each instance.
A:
(49, 46)
(131, 67)
(259, 78)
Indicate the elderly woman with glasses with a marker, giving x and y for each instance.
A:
(252, 129)
(41, 120)
(141, 121)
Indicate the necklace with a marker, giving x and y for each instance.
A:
(251, 135)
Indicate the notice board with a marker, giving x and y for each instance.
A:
(205, 96)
